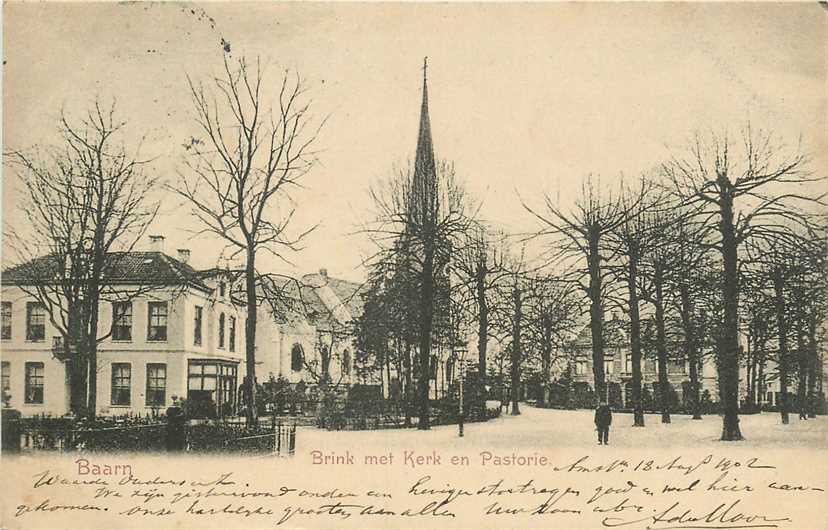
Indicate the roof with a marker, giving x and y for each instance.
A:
(283, 297)
(615, 335)
(319, 299)
(144, 268)
(349, 293)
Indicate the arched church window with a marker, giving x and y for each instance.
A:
(296, 358)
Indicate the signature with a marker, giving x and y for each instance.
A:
(723, 516)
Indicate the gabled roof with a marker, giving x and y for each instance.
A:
(317, 299)
(615, 335)
(283, 297)
(138, 268)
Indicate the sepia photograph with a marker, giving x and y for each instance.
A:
(414, 265)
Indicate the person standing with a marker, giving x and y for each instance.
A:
(176, 427)
(603, 420)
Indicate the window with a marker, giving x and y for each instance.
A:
(34, 383)
(197, 318)
(450, 369)
(232, 334)
(35, 322)
(222, 289)
(6, 333)
(121, 382)
(221, 330)
(608, 368)
(679, 365)
(156, 384)
(6, 377)
(580, 368)
(346, 362)
(296, 358)
(434, 367)
(122, 321)
(216, 382)
(629, 364)
(157, 322)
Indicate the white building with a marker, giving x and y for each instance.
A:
(184, 337)
(308, 321)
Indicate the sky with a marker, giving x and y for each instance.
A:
(525, 99)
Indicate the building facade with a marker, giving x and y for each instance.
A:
(307, 332)
(618, 366)
(166, 330)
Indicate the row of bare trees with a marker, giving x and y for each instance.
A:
(701, 241)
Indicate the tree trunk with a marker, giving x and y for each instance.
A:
(77, 369)
(728, 362)
(546, 368)
(782, 330)
(426, 321)
(690, 348)
(813, 364)
(750, 371)
(387, 364)
(91, 343)
(596, 313)
(92, 403)
(250, 336)
(661, 345)
(482, 339)
(635, 340)
(77, 365)
(408, 382)
(760, 394)
(802, 361)
(516, 350)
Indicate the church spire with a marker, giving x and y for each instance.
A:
(425, 173)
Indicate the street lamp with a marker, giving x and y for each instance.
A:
(462, 376)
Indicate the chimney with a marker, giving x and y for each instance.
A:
(184, 255)
(323, 273)
(156, 243)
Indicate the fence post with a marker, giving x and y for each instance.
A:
(292, 439)
(176, 428)
(10, 430)
(278, 430)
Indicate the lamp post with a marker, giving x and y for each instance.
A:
(462, 374)
(461, 417)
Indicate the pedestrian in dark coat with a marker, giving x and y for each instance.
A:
(603, 420)
(176, 427)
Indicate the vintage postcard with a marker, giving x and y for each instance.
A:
(414, 265)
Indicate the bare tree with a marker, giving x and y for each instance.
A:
(240, 171)
(690, 282)
(736, 194)
(419, 226)
(580, 236)
(480, 267)
(632, 240)
(84, 198)
(658, 268)
(552, 314)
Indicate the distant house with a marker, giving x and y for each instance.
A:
(182, 334)
(618, 365)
